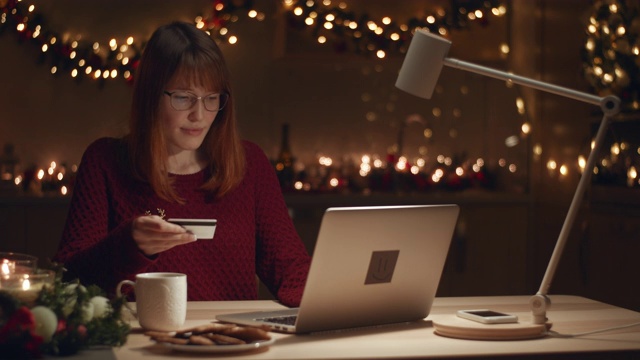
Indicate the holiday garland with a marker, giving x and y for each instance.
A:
(65, 318)
(326, 22)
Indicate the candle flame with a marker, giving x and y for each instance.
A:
(4, 268)
(26, 284)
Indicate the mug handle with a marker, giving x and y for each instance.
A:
(119, 293)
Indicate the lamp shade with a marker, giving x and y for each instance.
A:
(423, 63)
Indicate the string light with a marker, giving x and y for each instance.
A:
(564, 171)
(328, 21)
(376, 37)
(582, 162)
(610, 55)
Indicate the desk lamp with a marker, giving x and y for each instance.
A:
(418, 75)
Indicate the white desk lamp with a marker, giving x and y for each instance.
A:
(419, 74)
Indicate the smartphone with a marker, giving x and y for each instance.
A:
(204, 229)
(487, 316)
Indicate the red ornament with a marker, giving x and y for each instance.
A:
(18, 336)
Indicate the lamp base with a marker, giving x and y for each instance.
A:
(458, 328)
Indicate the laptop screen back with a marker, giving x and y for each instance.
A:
(376, 265)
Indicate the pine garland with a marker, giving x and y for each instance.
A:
(77, 328)
(611, 55)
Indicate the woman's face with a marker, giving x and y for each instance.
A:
(185, 115)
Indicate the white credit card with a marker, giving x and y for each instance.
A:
(203, 229)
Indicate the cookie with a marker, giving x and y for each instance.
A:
(200, 340)
(203, 329)
(248, 334)
(224, 339)
(171, 339)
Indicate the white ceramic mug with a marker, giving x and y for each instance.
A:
(161, 300)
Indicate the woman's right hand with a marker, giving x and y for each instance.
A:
(154, 235)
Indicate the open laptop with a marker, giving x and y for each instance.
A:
(371, 266)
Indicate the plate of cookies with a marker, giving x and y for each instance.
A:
(214, 338)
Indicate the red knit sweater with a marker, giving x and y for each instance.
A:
(254, 235)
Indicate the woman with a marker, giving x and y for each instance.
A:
(183, 158)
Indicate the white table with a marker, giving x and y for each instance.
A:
(569, 314)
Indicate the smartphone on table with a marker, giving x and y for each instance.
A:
(487, 316)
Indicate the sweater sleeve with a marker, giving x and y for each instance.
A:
(282, 261)
(89, 249)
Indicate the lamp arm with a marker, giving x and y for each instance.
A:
(605, 103)
(575, 205)
(610, 105)
(540, 301)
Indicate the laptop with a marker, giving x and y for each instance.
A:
(371, 266)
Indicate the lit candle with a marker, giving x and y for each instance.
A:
(24, 290)
(16, 263)
(11, 263)
(26, 287)
(11, 267)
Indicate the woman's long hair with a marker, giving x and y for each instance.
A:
(180, 49)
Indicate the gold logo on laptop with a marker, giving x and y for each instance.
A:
(381, 267)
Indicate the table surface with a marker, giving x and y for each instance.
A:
(568, 314)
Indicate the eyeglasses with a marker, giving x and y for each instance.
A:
(182, 100)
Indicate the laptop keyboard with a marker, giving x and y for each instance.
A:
(285, 320)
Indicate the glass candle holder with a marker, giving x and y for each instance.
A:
(11, 262)
(27, 287)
